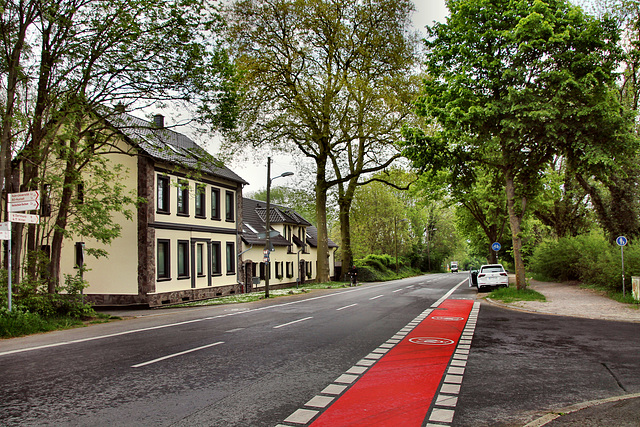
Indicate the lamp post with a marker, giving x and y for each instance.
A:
(268, 221)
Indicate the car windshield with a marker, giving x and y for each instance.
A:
(492, 269)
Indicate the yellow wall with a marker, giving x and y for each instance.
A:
(117, 274)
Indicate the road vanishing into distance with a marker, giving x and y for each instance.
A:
(412, 352)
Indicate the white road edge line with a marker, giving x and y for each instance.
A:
(139, 365)
(201, 319)
(448, 294)
(346, 306)
(291, 323)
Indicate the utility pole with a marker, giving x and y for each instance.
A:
(267, 251)
(267, 264)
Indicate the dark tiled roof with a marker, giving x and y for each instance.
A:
(254, 223)
(254, 218)
(170, 146)
(312, 238)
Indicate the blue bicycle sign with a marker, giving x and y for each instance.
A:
(621, 241)
(496, 246)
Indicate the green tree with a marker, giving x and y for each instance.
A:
(383, 215)
(330, 79)
(66, 61)
(481, 212)
(613, 193)
(563, 204)
(513, 83)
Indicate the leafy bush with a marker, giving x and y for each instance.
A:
(379, 262)
(31, 296)
(589, 258)
(18, 323)
(377, 268)
(367, 273)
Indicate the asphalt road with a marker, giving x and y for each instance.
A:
(256, 364)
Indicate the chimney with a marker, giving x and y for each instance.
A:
(158, 120)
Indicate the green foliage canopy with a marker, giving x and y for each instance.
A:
(513, 83)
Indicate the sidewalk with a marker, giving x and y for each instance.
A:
(566, 299)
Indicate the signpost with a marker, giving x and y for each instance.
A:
(26, 201)
(622, 241)
(18, 202)
(496, 247)
(26, 218)
(5, 231)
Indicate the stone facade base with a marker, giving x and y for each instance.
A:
(167, 298)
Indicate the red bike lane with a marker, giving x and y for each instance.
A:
(400, 387)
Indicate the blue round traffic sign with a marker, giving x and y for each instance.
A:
(496, 246)
(621, 241)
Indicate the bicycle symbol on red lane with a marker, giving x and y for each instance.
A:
(431, 341)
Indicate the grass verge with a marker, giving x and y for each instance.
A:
(19, 323)
(512, 294)
(615, 295)
(256, 296)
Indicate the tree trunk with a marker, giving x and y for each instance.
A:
(322, 274)
(345, 235)
(515, 221)
(58, 234)
(63, 213)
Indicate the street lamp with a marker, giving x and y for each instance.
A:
(268, 221)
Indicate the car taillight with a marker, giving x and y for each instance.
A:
(481, 275)
(503, 274)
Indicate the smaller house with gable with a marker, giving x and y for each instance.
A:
(294, 256)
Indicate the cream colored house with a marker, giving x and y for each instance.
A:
(183, 243)
(294, 255)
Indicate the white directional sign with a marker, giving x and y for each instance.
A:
(26, 218)
(26, 196)
(24, 206)
(26, 201)
(5, 231)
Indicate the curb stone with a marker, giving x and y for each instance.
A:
(547, 418)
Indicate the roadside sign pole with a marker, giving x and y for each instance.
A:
(19, 202)
(9, 272)
(622, 241)
(622, 256)
(5, 234)
(496, 247)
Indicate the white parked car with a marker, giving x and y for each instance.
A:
(492, 276)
